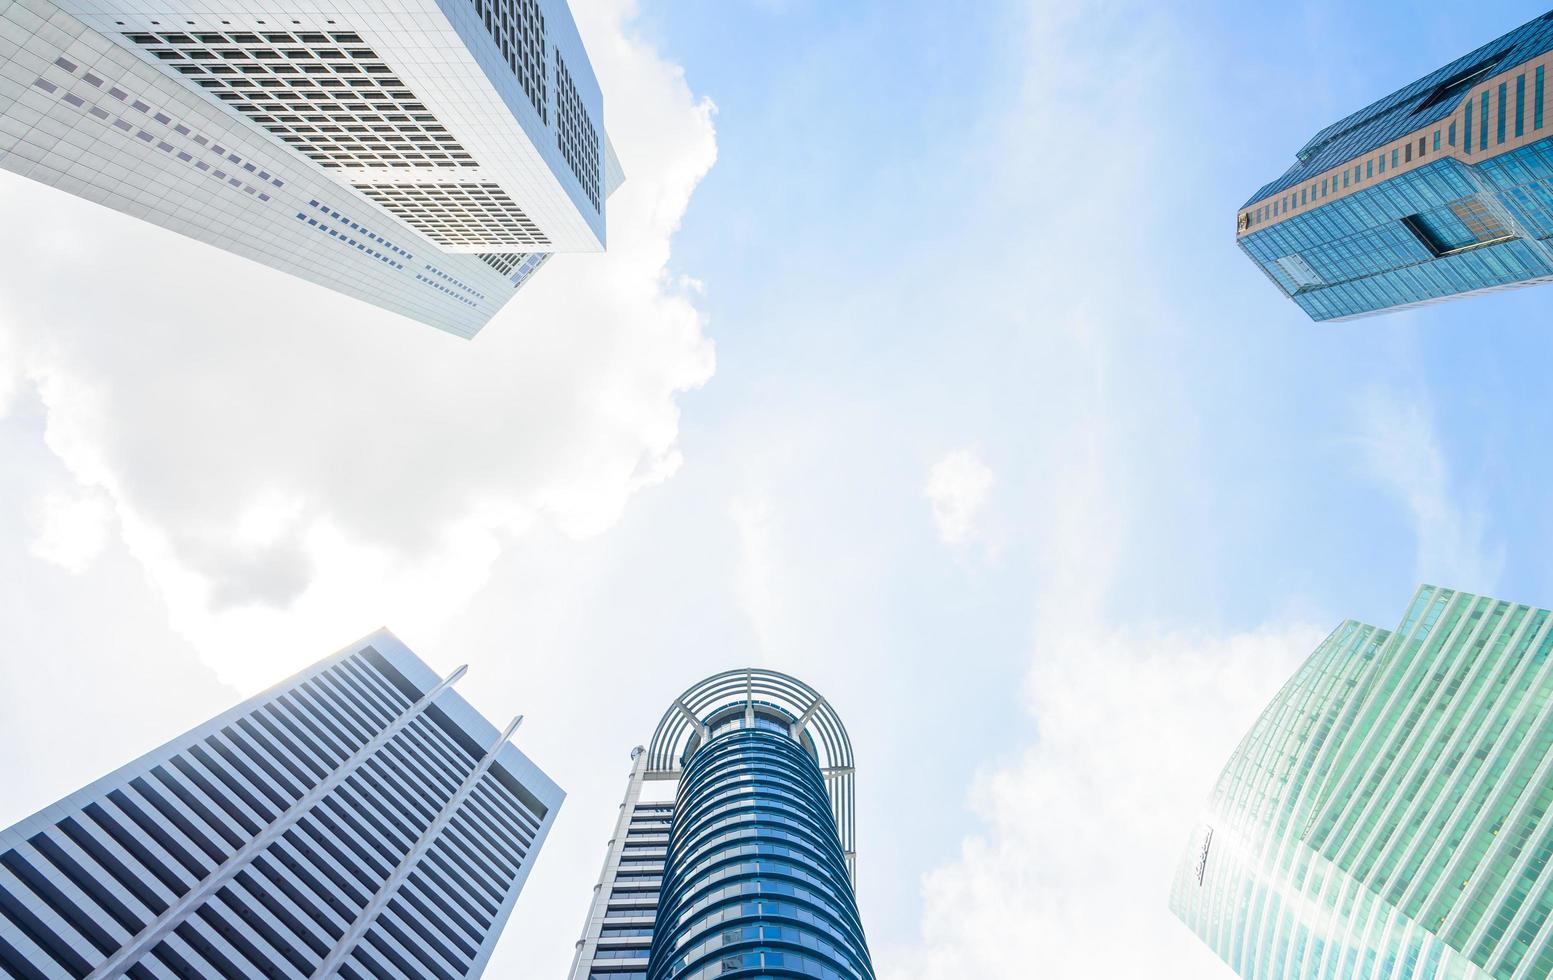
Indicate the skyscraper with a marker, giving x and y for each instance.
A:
(734, 852)
(1388, 814)
(1441, 189)
(358, 820)
(422, 155)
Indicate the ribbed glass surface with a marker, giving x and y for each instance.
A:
(756, 884)
(1387, 816)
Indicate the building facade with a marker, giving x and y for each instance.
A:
(425, 156)
(1387, 816)
(1441, 189)
(358, 820)
(734, 853)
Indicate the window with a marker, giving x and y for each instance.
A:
(457, 214)
(1437, 141)
(330, 96)
(1452, 134)
(1369, 168)
(1407, 156)
(1483, 123)
(1520, 104)
(1465, 224)
(1298, 270)
(1504, 98)
(1455, 85)
(1536, 105)
(575, 135)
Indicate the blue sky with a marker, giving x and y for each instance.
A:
(976, 259)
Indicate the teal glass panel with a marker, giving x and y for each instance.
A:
(1520, 104)
(1536, 111)
(1504, 88)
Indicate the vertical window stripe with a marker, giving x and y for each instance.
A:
(1451, 136)
(1520, 105)
(1504, 97)
(1466, 139)
(1483, 123)
(1536, 104)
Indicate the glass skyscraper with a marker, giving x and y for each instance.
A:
(359, 820)
(1387, 817)
(1441, 189)
(733, 855)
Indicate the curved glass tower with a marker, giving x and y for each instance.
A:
(1390, 815)
(733, 855)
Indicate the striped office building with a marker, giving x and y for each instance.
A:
(1387, 817)
(359, 820)
(734, 851)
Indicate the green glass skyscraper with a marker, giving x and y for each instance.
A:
(1386, 817)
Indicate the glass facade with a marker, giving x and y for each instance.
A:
(756, 883)
(1373, 250)
(1363, 204)
(1387, 816)
(733, 855)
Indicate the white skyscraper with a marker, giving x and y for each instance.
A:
(358, 820)
(423, 155)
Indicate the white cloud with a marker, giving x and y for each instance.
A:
(293, 468)
(757, 595)
(71, 528)
(1085, 825)
(1401, 451)
(958, 487)
(1081, 826)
